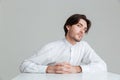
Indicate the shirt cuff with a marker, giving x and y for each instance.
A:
(42, 69)
(84, 68)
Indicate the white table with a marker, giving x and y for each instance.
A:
(78, 76)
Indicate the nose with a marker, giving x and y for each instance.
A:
(82, 31)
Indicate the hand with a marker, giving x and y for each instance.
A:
(67, 68)
(63, 68)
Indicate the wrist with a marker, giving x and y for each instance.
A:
(78, 69)
(50, 69)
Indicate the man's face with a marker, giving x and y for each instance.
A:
(77, 31)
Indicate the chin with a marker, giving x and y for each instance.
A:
(78, 40)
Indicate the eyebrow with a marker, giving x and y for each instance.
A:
(82, 25)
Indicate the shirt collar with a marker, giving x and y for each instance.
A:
(68, 43)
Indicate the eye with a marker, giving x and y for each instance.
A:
(79, 25)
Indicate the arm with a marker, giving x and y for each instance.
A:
(37, 63)
(31, 67)
(91, 62)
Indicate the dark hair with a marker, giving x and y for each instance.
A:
(74, 19)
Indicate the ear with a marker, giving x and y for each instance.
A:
(68, 27)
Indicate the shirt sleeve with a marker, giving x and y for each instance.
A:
(36, 63)
(30, 67)
(91, 62)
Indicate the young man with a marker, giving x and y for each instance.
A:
(69, 55)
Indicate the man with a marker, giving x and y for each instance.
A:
(69, 55)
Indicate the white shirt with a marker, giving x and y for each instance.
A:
(80, 54)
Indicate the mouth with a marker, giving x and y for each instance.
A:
(80, 35)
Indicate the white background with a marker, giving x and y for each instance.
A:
(26, 25)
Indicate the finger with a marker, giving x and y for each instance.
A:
(59, 71)
(60, 64)
(66, 70)
(69, 69)
(61, 68)
(62, 72)
(57, 68)
(67, 66)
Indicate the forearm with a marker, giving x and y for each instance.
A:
(30, 67)
(94, 67)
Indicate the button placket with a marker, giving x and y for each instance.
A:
(71, 54)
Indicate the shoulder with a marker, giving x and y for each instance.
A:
(83, 43)
(86, 46)
(53, 44)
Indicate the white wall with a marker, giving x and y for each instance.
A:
(26, 25)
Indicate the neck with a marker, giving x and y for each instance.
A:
(71, 41)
